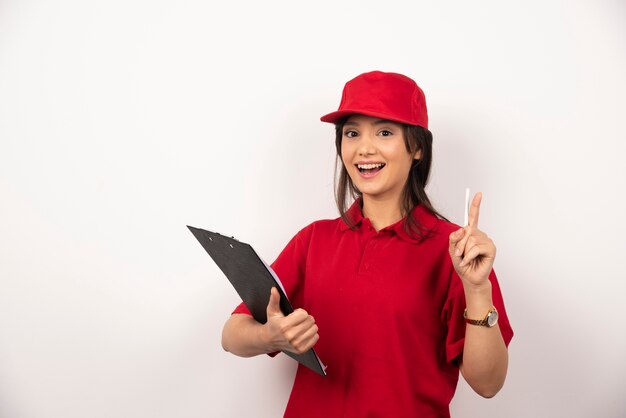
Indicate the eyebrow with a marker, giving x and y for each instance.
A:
(376, 122)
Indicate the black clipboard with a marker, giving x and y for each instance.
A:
(253, 279)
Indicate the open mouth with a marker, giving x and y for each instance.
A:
(370, 168)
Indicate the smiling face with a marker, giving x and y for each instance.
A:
(375, 155)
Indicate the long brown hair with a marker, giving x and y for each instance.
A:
(415, 138)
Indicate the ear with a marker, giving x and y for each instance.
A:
(418, 155)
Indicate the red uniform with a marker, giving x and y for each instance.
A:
(390, 314)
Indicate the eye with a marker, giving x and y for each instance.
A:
(385, 132)
(350, 134)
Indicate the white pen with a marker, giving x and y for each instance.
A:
(467, 203)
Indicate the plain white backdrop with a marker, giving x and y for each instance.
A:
(123, 121)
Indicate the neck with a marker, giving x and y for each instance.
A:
(382, 212)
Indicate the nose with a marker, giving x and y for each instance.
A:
(366, 145)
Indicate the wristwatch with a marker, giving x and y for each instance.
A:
(490, 320)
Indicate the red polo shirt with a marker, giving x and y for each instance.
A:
(390, 314)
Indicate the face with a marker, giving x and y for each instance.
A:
(375, 156)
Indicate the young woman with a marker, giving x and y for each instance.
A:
(395, 299)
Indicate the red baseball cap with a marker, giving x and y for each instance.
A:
(388, 96)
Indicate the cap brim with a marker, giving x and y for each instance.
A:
(334, 117)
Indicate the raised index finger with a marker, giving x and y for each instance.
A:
(474, 210)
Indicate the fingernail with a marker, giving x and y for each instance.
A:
(457, 252)
(462, 263)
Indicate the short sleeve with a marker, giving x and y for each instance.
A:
(289, 266)
(453, 316)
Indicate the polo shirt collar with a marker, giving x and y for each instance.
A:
(354, 214)
(424, 218)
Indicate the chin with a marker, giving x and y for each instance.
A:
(370, 191)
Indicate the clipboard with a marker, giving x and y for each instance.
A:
(253, 279)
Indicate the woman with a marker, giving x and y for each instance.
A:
(395, 299)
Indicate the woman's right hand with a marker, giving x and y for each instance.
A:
(295, 332)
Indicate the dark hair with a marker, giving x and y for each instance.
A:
(415, 138)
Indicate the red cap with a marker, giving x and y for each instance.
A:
(389, 96)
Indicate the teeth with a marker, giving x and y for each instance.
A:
(369, 166)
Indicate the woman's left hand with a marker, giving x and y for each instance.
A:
(471, 250)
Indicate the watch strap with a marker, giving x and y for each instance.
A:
(480, 322)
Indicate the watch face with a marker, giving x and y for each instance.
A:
(492, 318)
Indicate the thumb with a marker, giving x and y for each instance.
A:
(273, 307)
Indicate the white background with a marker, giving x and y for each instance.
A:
(123, 121)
